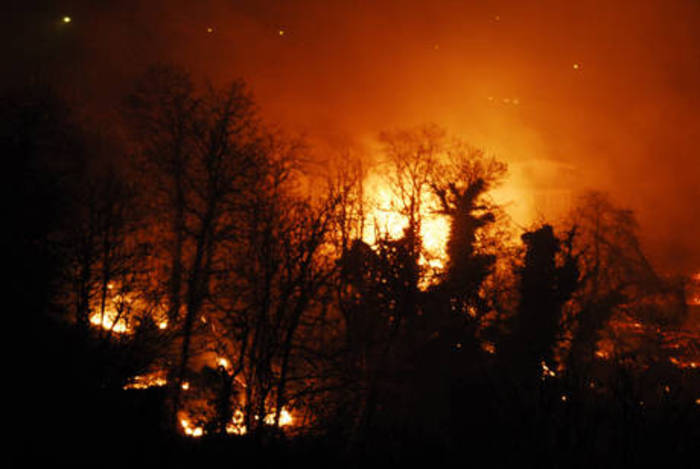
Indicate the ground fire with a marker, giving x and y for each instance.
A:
(353, 234)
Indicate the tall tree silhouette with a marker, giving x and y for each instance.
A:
(545, 285)
(460, 185)
(616, 277)
(200, 151)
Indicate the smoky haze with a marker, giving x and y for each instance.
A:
(573, 95)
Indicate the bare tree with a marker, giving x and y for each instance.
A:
(200, 151)
(616, 276)
(411, 155)
(284, 273)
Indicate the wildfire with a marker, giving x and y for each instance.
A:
(223, 363)
(150, 380)
(237, 424)
(117, 314)
(546, 371)
(386, 220)
(189, 429)
(694, 293)
(285, 418)
(110, 321)
(489, 347)
(682, 364)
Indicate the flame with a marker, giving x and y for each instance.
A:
(626, 332)
(694, 293)
(223, 363)
(285, 418)
(150, 380)
(189, 429)
(384, 219)
(546, 371)
(110, 321)
(119, 310)
(237, 425)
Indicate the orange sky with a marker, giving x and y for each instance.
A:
(500, 74)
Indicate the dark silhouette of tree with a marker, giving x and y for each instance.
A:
(161, 113)
(200, 151)
(545, 286)
(274, 287)
(42, 145)
(616, 277)
(379, 301)
(460, 185)
(400, 335)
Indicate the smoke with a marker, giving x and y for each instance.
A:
(573, 95)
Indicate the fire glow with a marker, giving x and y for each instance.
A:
(237, 424)
(110, 321)
(385, 220)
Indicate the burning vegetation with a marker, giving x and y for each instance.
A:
(379, 302)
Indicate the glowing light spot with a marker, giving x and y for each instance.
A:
(185, 386)
(163, 325)
(111, 321)
(223, 363)
(285, 418)
(281, 32)
(189, 430)
(576, 66)
(564, 398)
(210, 29)
(67, 19)
(236, 426)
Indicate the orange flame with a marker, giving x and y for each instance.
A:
(385, 219)
(150, 380)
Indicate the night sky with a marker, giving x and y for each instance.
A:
(573, 95)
